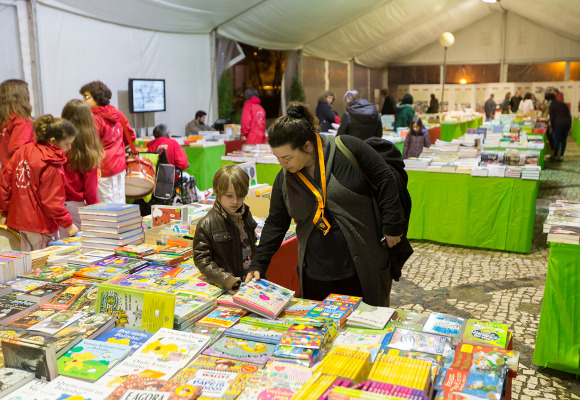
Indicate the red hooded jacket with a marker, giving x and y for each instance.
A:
(32, 189)
(15, 133)
(79, 186)
(175, 154)
(253, 122)
(109, 123)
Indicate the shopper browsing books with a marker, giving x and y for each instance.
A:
(338, 244)
(417, 138)
(32, 185)
(225, 238)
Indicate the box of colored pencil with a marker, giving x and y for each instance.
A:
(408, 372)
(346, 363)
(316, 387)
(392, 393)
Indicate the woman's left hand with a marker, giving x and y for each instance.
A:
(392, 240)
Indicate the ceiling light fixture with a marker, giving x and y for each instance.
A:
(490, 1)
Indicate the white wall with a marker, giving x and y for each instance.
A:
(11, 60)
(75, 50)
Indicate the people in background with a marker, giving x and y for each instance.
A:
(81, 171)
(175, 154)
(361, 118)
(405, 112)
(489, 107)
(326, 117)
(198, 124)
(433, 105)
(527, 104)
(253, 118)
(417, 138)
(388, 104)
(561, 122)
(515, 101)
(32, 185)
(110, 124)
(505, 104)
(338, 246)
(225, 238)
(15, 122)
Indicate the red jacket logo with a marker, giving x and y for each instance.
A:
(23, 174)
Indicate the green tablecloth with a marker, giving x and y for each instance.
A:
(266, 172)
(453, 130)
(576, 129)
(558, 340)
(204, 163)
(400, 146)
(493, 213)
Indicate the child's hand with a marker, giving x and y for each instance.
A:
(252, 275)
(72, 230)
(2, 221)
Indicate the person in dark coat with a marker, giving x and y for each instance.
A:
(561, 122)
(405, 112)
(388, 104)
(417, 138)
(515, 101)
(361, 118)
(324, 111)
(433, 105)
(489, 108)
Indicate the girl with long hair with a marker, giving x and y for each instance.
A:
(15, 122)
(83, 160)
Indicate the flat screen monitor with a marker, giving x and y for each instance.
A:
(146, 95)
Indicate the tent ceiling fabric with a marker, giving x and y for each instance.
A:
(373, 33)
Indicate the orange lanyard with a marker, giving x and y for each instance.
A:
(319, 220)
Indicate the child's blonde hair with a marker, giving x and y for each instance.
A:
(233, 174)
(47, 127)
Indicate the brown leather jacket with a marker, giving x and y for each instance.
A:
(217, 247)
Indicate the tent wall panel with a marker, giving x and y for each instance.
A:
(313, 79)
(11, 60)
(536, 72)
(338, 82)
(75, 50)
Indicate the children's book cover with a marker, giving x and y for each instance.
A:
(56, 273)
(104, 209)
(186, 308)
(405, 339)
(213, 332)
(486, 333)
(198, 288)
(24, 284)
(483, 359)
(12, 308)
(403, 318)
(99, 272)
(64, 387)
(137, 387)
(87, 302)
(272, 384)
(360, 341)
(263, 297)
(300, 306)
(91, 359)
(56, 322)
(87, 326)
(137, 309)
(241, 350)
(222, 317)
(129, 337)
(444, 324)
(453, 383)
(32, 318)
(130, 264)
(67, 297)
(257, 333)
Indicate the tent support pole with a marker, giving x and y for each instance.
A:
(443, 78)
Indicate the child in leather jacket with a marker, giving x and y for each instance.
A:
(225, 238)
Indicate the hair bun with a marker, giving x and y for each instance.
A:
(296, 111)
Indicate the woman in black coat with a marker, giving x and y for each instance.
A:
(361, 118)
(324, 111)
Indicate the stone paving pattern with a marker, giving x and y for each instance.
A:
(498, 286)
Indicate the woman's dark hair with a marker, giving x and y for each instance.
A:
(295, 128)
(249, 93)
(160, 131)
(407, 99)
(508, 95)
(550, 96)
(326, 94)
(99, 91)
(527, 96)
(15, 99)
(419, 122)
(47, 127)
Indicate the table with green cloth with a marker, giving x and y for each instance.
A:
(204, 162)
(558, 341)
(266, 172)
(487, 212)
(576, 129)
(452, 130)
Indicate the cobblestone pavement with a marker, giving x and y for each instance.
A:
(498, 286)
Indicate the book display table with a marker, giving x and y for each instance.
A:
(487, 212)
(558, 340)
(266, 172)
(453, 130)
(204, 163)
(576, 129)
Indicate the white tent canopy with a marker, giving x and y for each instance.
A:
(72, 42)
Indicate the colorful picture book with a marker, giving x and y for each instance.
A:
(67, 297)
(137, 387)
(32, 318)
(486, 333)
(366, 316)
(56, 322)
(222, 317)
(12, 308)
(42, 294)
(445, 324)
(405, 339)
(483, 360)
(128, 337)
(263, 297)
(460, 384)
(241, 350)
(64, 387)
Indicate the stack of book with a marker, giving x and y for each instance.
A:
(136, 250)
(107, 226)
(563, 213)
(513, 172)
(14, 263)
(263, 297)
(531, 172)
(417, 164)
(90, 258)
(336, 307)
(481, 170)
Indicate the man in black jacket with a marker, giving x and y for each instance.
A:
(561, 122)
(389, 104)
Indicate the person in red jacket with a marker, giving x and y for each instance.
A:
(175, 154)
(81, 171)
(15, 123)
(253, 118)
(110, 124)
(32, 185)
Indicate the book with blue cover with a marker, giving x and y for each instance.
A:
(255, 332)
(124, 336)
(108, 209)
(241, 350)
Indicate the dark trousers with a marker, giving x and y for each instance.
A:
(560, 137)
(318, 290)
